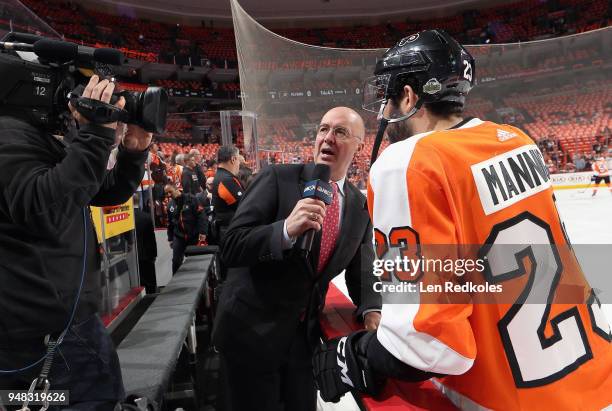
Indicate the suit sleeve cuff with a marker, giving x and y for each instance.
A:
(370, 310)
(277, 240)
(287, 242)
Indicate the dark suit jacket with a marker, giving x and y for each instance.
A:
(270, 291)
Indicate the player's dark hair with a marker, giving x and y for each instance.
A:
(444, 108)
(438, 109)
(226, 153)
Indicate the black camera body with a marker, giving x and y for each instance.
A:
(35, 89)
(41, 87)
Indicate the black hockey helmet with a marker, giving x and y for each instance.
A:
(439, 67)
(432, 62)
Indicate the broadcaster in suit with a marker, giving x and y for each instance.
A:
(267, 324)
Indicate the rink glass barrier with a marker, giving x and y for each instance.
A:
(556, 88)
(14, 16)
(208, 130)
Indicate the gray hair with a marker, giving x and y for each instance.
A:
(226, 153)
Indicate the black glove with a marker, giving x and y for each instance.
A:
(341, 364)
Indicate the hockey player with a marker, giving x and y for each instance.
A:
(455, 180)
(601, 173)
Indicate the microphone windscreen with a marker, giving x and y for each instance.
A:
(23, 38)
(54, 50)
(321, 172)
(108, 56)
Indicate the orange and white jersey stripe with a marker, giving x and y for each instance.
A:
(600, 168)
(174, 174)
(483, 183)
(146, 181)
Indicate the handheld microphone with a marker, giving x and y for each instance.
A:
(318, 188)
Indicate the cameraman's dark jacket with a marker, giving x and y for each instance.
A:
(186, 218)
(44, 188)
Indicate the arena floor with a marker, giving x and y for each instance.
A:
(588, 220)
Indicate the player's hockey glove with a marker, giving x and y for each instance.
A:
(341, 364)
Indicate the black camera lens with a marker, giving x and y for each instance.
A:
(147, 109)
(154, 109)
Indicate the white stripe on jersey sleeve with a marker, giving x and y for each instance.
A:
(391, 208)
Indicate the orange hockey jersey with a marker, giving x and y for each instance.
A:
(483, 183)
(600, 168)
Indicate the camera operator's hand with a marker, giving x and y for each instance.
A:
(307, 214)
(136, 138)
(98, 90)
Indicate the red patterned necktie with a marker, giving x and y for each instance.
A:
(330, 230)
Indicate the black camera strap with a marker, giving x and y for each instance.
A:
(98, 112)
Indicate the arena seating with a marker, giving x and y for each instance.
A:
(574, 117)
(558, 117)
(520, 21)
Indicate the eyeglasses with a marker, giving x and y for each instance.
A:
(339, 132)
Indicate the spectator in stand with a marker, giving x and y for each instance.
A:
(597, 147)
(212, 168)
(147, 183)
(197, 156)
(187, 224)
(157, 167)
(190, 180)
(554, 156)
(209, 188)
(227, 189)
(552, 167)
(180, 160)
(579, 162)
(174, 172)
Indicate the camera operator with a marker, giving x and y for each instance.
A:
(49, 250)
